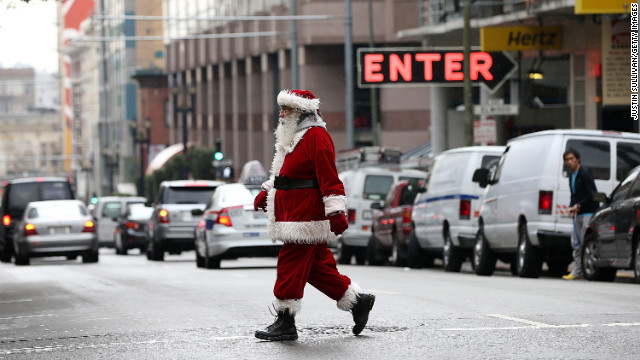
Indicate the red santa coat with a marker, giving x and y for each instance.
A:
(300, 215)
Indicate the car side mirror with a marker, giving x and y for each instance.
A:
(481, 176)
(376, 205)
(197, 212)
(421, 190)
(600, 197)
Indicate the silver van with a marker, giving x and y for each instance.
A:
(524, 218)
(106, 210)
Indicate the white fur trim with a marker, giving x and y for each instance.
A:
(301, 232)
(349, 298)
(294, 305)
(287, 98)
(335, 203)
(267, 185)
(282, 151)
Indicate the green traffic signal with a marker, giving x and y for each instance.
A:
(218, 155)
(94, 200)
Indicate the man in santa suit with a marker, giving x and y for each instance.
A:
(305, 203)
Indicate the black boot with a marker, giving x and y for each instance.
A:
(284, 328)
(360, 311)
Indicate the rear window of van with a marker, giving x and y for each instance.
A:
(376, 187)
(595, 155)
(627, 159)
(23, 193)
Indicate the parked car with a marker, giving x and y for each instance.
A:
(363, 187)
(131, 229)
(612, 240)
(55, 228)
(17, 194)
(229, 228)
(524, 218)
(445, 214)
(391, 225)
(171, 225)
(106, 212)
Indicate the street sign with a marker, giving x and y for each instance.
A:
(484, 131)
(495, 109)
(221, 163)
(384, 67)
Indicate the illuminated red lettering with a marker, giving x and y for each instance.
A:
(428, 60)
(481, 62)
(402, 67)
(452, 66)
(372, 67)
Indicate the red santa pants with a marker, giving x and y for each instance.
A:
(299, 264)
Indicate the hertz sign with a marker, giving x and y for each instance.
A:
(402, 67)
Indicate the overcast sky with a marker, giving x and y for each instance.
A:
(28, 34)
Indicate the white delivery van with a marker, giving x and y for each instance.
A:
(445, 215)
(524, 216)
(365, 186)
(106, 210)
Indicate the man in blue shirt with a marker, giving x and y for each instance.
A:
(581, 207)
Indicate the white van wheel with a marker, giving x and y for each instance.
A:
(483, 259)
(636, 262)
(343, 253)
(528, 259)
(451, 256)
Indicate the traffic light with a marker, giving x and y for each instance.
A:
(94, 199)
(218, 155)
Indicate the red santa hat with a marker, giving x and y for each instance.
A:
(302, 100)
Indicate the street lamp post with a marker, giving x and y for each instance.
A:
(144, 140)
(111, 160)
(184, 104)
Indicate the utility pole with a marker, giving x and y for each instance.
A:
(468, 102)
(348, 73)
(294, 46)
(375, 126)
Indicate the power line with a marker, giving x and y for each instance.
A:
(169, 38)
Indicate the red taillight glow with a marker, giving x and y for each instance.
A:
(351, 216)
(223, 218)
(30, 229)
(6, 220)
(163, 216)
(89, 226)
(132, 225)
(465, 209)
(406, 222)
(545, 201)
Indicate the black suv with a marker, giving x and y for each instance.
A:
(17, 194)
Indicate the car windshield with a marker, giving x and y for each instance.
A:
(237, 195)
(56, 211)
(23, 193)
(188, 195)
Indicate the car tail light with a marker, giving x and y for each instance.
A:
(223, 218)
(351, 216)
(132, 225)
(89, 226)
(163, 216)
(465, 209)
(545, 201)
(6, 220)
(406, 222)
(30, 229)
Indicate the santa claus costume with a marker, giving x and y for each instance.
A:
(305, 202)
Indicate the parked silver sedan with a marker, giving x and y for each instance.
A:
(56, 228)
(229, 228)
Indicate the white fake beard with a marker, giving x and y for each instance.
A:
(287, 129)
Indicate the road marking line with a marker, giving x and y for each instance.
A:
(15, 301)
(25, 316)
(506, 317)
(622, 324)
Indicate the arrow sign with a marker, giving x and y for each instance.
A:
(413, 66)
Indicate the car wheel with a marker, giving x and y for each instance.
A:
(636, 262)
(72, 257)
(90, 257)
(483, 259)
(343, 253)
(199, 259)
(373, 255)
(528, 259)
(156, 252)
(398, 252)
(416, 257)
(451, 255)
(590, 257)
(6, 254)
(22, 260)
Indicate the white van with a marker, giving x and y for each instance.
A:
(108, 208)
(365, 186)
(445, 216)
(524, 217)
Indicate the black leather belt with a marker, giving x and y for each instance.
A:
(285, 183)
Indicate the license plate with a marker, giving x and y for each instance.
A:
(59, 230)
(251, 234)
